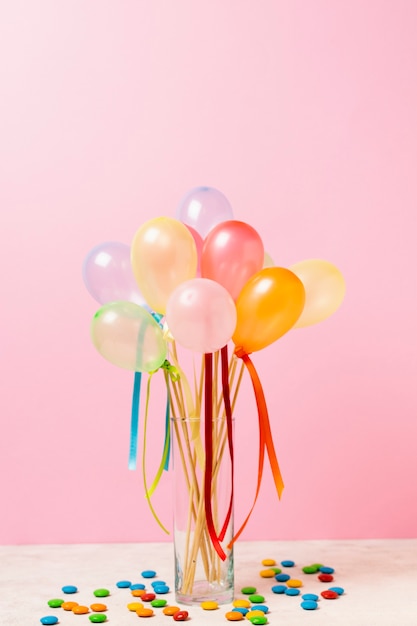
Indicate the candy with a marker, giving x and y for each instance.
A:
(97, 607)
(161, 588)
(291, 591)
(309, 605)
(259, 619)
(123, 584)
(148, 573)
(138, 586)
(97, 618)
(256, 598)
(326, 570)
(260, 607)
(253, 614)
(209, 605)
(147, 597)
(80, 609)
(135, 606)
(234, 616)
(329, 595)
(310, 569)
(55, 603)
(138, 593)
(339, 590)
(170, 610)
(282, 578)
(241, 609)
(49, 619)
(278, 588)
(69, 589)
(267, 573)
(268, 562)
(101, 593)
(68, 606)
(180, 616)
(248, 590)
(310, 596)
(144, 612)
(287, 563)
(325, 578)
(158, 603)
(294, 582)
(156, 583)
(242, 602)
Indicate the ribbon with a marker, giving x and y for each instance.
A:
(208, 474)
(134, 421)
(265, 439)
(229, 423)
(164, 464)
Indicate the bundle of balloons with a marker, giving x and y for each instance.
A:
(202, 280)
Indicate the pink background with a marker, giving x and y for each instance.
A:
(304, 115)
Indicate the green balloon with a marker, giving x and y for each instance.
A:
(128, 336)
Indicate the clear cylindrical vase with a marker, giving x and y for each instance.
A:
(201, 573)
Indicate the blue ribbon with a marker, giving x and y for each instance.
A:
(134, 421)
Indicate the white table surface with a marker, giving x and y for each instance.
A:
(379, 578)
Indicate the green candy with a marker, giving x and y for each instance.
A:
(310, 569)
(55, 603)
(276, 570)
(258, 619)
(97, 618)
(158, 602)
(101, 593)
(256, 598)
(248, 590)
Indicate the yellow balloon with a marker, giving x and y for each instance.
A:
(163, 255)
(267, 307)
(325, 289)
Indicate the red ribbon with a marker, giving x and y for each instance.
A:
(229, 423)
(208, 432)
(265, 439)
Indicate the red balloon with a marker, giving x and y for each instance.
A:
(232, 253)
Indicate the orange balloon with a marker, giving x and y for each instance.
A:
(267, 307)
(163, 255)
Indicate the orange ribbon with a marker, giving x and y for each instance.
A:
(265, 438)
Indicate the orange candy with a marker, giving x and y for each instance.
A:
(97, 607)
(267, 573)
(234, 616)
(170, 610)
(144, 612)
(138, 593)
(68, 606)
(80, 609)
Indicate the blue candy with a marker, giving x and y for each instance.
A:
(287, 563)
(161, 589)
(282, 578)
(310, 596)
(241, 609)
(278, 588)
(156, 583)
(326, 570)
(259, 607)
(309, 605)
(138, 586)
(69, 589)
(292, 591)
(49, 619)
(123, 584)
(148, 573)
(338, 590)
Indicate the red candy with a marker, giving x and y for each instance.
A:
(329, 594)
(325, 578)
(148, 597)
(180, 616)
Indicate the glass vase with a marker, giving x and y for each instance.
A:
(201, 573)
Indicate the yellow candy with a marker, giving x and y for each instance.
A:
(255, 613)
(234, 616)
(242, 604)
(269, 562)
(135, 606)
(209, 605)
(294, 582)
(267, 573)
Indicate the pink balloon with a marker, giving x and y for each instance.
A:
(203, 208)
(199, 245)
(232, 253)
(201, 315)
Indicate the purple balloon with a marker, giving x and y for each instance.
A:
(108, 274)
(203, 208)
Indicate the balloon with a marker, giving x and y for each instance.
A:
(232, 253)
(201, 315)
(198, 240)
(267, 307)
(163, 256)
(325, 289)
(203, 208)
(108, 275)
(128, 336)
(268, 260)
